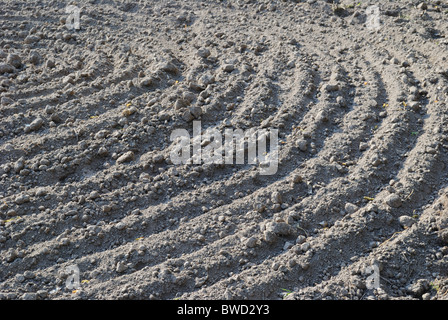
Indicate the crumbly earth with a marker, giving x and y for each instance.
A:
(87, 182)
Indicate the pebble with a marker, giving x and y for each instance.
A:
(288, 245)
(14, 60)
(292, 263)
(422, 6)
(393, 201)
(120, 226)
(129, 111)
(279, 228)
(363, 146)
(418, 288)
(126, 157)
(302, 145)
(24, 198)
(203, 53)
(146, 82)
(35, 125)
(19, 165)
(276, 197)
(6, 101)
(300, 239)
(341, 101)
(228, 67)
(394, 61)
(29, 296)
(187, 116)
(31, 39)
(50, 64)
(350, 208)
(28, 274)
(297, 178)
(6, 68)
(251, 242)
(305, 246)
(34, 58)
(331, 87)
(196, 111)
(121, 267)
(269, 236)
(305, 265)
(406, 221)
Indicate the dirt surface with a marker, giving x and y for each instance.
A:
(86, 179)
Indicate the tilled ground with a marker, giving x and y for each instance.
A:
(86, 177)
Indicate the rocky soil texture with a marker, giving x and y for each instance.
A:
(86, 178)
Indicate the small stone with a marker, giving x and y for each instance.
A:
(305, 246)
(94, 195)
(14, 60)
(418, 288)
(203, 53)
(6, 101)
(331, 87)
(350, 208)
(6, 68)
(146, 82)
(394, 61)
(288, 245)
(422, 6)
(129, 111)
(19, 165)
(279, 228)
(251, 242)
(269, 236)
(302, 145)
(126, 157)
(50, 64)
(29, 296)
(34, 58)
(102, 151)
(292, 263)
(228, 67)
(393, 201)
(406, 221)
(35, 125)
(121, 267)
(24, 198)
(64, 242)
(12, 255)
(305, 265)
(50, 109)
(297, 178)
(276, 197)
(341, 101)
(196, 111)
(300, 239)
(291, 64)
(187, 116)
(42, 294)
(120, 226)
(363, 146)
(31, 39)
(426, 296)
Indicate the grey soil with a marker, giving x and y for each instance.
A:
(86, 178)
